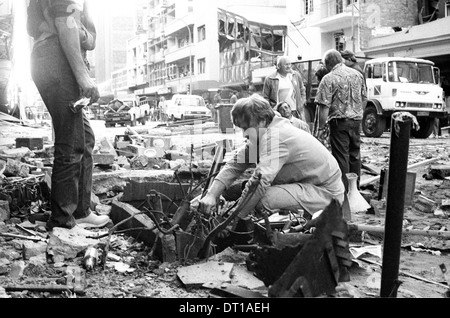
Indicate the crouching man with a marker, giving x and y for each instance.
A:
(297, 171)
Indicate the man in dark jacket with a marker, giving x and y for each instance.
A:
(286, 85)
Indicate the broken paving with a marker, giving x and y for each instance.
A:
(145, 179)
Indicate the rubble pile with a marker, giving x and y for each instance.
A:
(160, 245)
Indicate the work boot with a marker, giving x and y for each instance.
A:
(93, 221)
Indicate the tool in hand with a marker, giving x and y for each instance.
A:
(206, 245)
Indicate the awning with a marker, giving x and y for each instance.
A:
(204, 85)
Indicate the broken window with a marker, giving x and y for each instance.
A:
(278, 43)
(309, 6)
(339, 6)
(201, 33)
(231, 26)
(222, 25)
(339, 41)
(255, 38)
(240, 34)
(267, 39)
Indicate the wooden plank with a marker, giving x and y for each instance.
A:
(380, 229)
(416, 165)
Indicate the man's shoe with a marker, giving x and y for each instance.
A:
(93, 221)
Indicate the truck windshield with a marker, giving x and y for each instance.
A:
(190, 101)
(410, 72)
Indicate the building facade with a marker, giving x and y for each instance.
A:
(425, 34)
(371, 28)
(116, 24)
(199, 46)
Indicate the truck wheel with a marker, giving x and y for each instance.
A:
(426, 128)
(143, 120)
(373, 125)
(133, 122)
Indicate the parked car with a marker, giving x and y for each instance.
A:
(126, 112)
(183, 106)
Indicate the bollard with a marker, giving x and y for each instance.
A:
(398, 165)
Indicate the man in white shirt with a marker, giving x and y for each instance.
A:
(286, 85)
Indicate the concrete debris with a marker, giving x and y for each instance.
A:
(103, 159)
(233, 291)
(142, 162)
(4, 266)
(17, 152)
(425, 204)
(106, 147)
(229, 255)
(69, 243)
(213, 273)
(31, 249)
(122, 211)
(120, 267)
(3, 293)
(9, 254)
(17, 269)
(346, 290)
(15, 168)
(242, 277)
(5, 213)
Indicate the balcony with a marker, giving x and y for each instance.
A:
(178, 25)
(175, 54)
(156, 58)
(335, 17)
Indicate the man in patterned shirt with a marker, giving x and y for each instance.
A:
(341, 96)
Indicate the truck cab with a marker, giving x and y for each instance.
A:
(127, 111)
(396, 84)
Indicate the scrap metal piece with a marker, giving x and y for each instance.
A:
(314, 267)
(230, 291)
(203, 253)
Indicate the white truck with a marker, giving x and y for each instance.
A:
(127, 111)
(402, 84)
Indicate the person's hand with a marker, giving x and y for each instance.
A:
(207, 203)
(89, 89)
